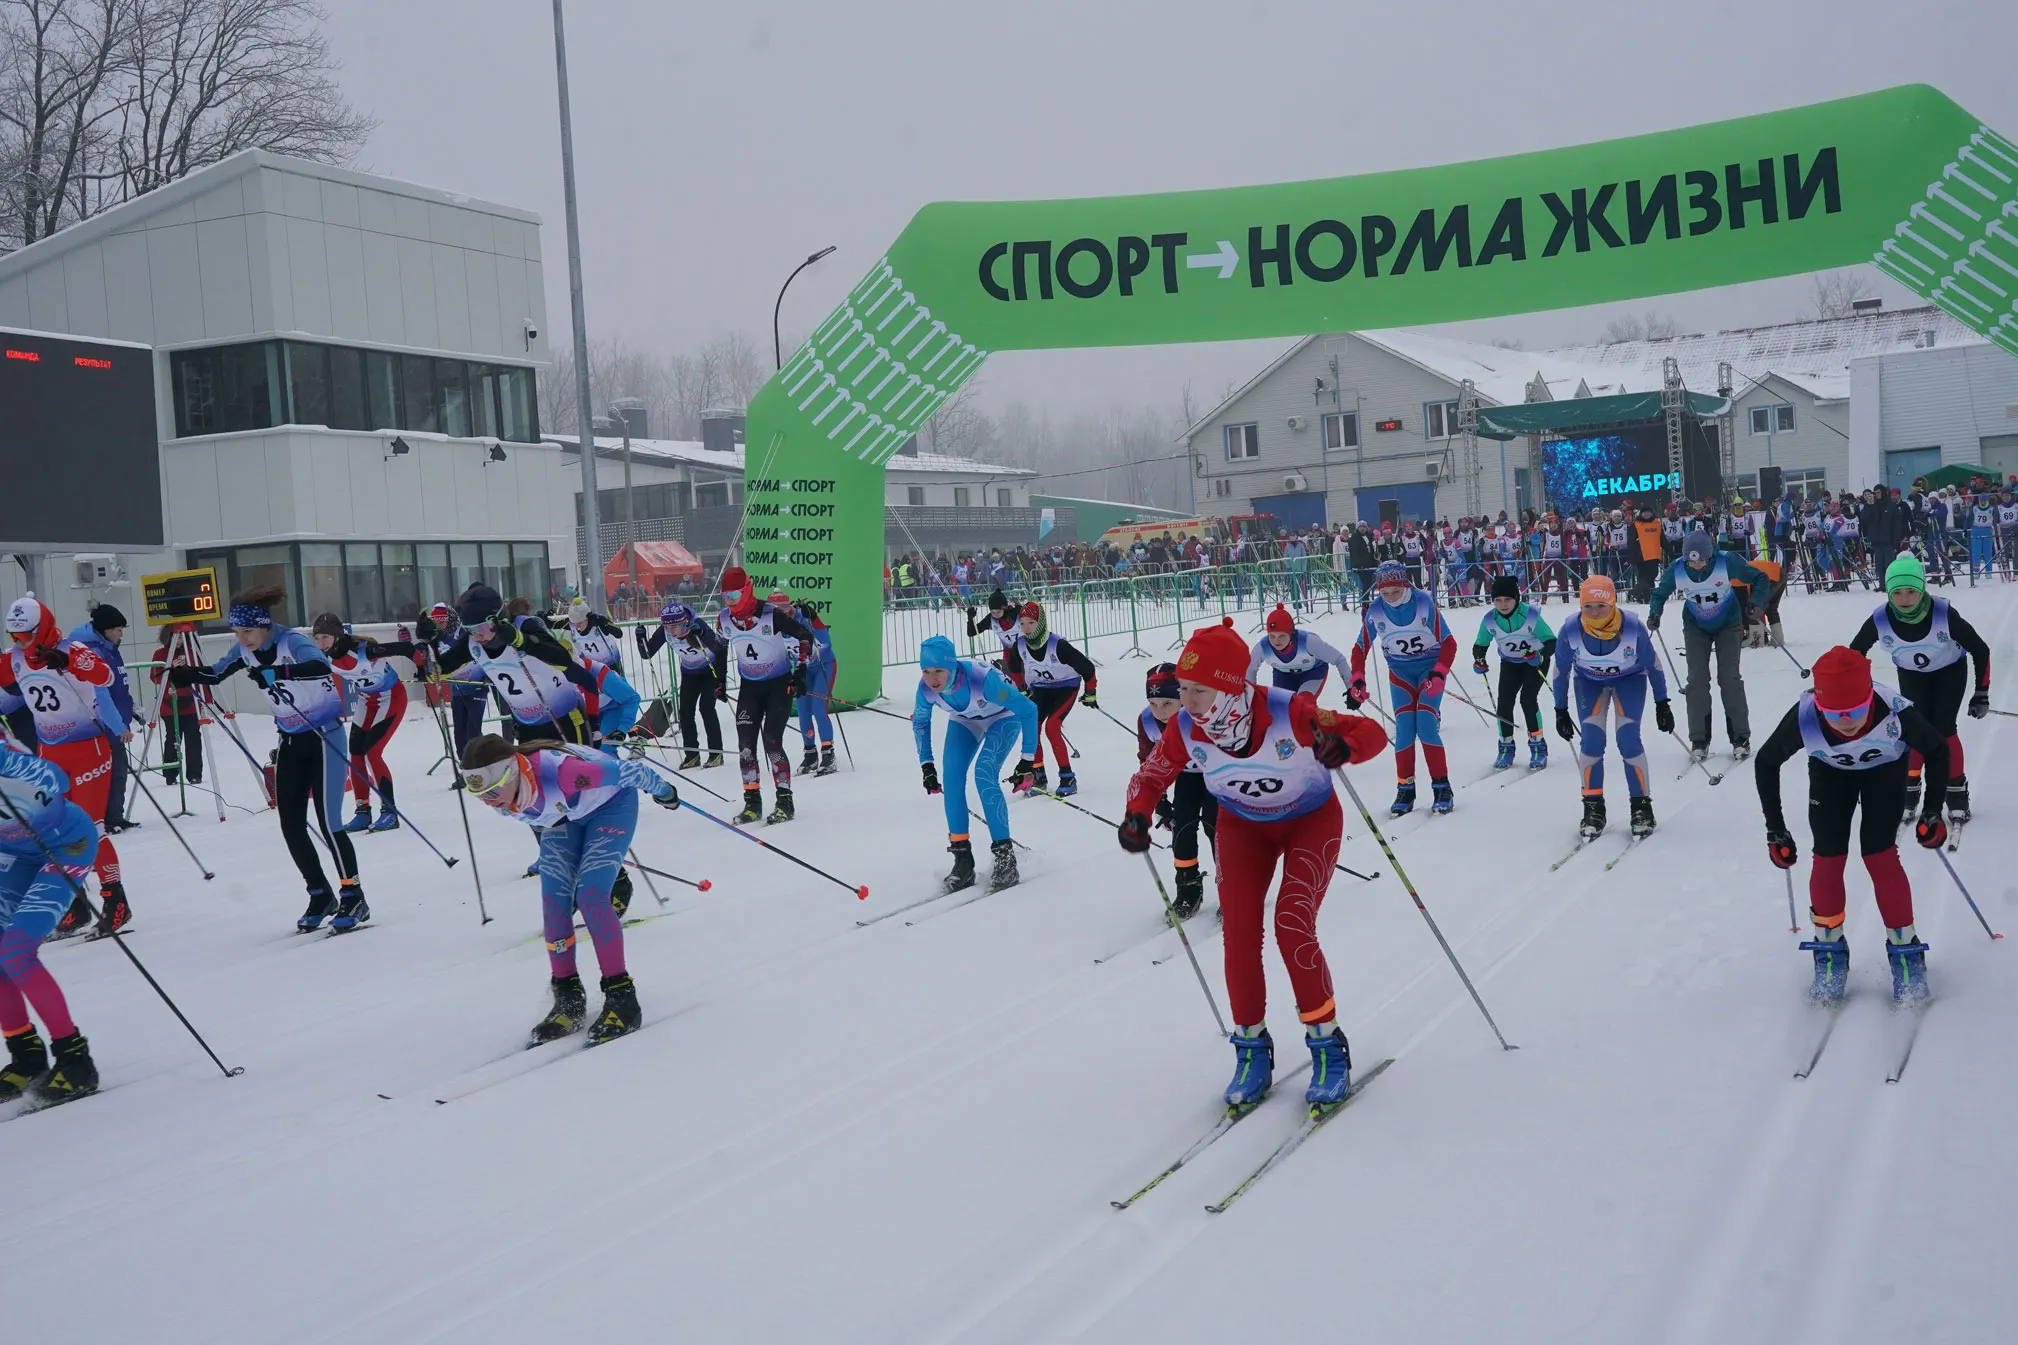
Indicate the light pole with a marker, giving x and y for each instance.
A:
(591, 586)
(777, 344)
(619, 410)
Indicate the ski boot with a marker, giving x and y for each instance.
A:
(1538, 752)
(1506, 755)
(811, 761)
(1741, 748)
(351, 909)
(114, 913)
(74, 920)
(621, 892)
(1912, 799)
(962, 876)
(1908, 957)
(533, 869)
(753, 807)
(827, 764)
(1593, 825)
(1958, 800)
(1068, 785)
(571, 1007)
(1190, 892)
(360, 820)
(783, 812)
(1404, 799)
(691, 761)
(1642, 816)
(320, 904)
(1699, 753)
(1330, 1069)
(1832, 965)
(74, 1076)
(1005, 874)
(715, 759)
(27, 1058)
(1442, 800)
(1039, 781)
(620, 1015)
(388, 816)
(1253, 1070)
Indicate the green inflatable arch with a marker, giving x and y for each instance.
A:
(1903, 178)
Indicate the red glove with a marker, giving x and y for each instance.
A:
(1433, 685)
(1931, 832)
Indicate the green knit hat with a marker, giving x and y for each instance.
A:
(1906, 572)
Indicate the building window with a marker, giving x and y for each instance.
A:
(1341, 430)
(1439, 420)
(381, 391)
(1242, 442)
(1004, 500)
(711, 494)
(378, 582)
(451, 398)
(418, 408)
(1222, 487)
(308, 381)
(960, 497)
(1523, 490)
(346, 390)
(228, 389)
(914, 495)
(1774, 419)
(321, 580)
(1810, 481)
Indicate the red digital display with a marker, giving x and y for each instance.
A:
(92, 364)
(27, 355)
(1386, 426)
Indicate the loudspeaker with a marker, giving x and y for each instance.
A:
(1772, 483)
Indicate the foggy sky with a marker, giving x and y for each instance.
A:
(717, 145)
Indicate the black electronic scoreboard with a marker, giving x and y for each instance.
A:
(80, 448)
(185, 595)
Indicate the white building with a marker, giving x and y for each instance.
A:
(1914, 410)
(1340, 423)
(344, 372)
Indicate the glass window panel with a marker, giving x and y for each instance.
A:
(363, 583)
(381, 390)
(1762, 419)
(451, 399)
(437, 583)
(308, 383)
(515, 406)
(497, 569)
(960, 497)
(417, 404)
(912, 495)
(464, 562)
(1785, 417)
(346, 390)
(529, 572)
(258, 566)
(321, 581)
(196, 374)
(483, 401)
(402, 581)
(248, 391)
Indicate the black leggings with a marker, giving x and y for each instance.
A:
(761, 710)
(1525, 681)
(309, 770)
(1938, 695)
(1833, 794)
(182, 747)
(1192, 804)
(698, 689)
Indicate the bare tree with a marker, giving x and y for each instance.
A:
(57, 58)
(1652, 327)
(960, 428)
(1835, 293)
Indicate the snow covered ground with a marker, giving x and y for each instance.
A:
(911, 1133)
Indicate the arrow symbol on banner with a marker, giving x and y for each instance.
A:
(1226, 259)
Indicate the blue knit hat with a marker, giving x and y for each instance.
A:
(938, 652)
(1390, 572)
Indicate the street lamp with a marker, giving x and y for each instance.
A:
(778, 345)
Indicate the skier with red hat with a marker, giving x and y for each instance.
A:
(1266, 757)
(757, 633)
(1053, 673)
(1419, 649)
(1297, 660)
(1857, 735)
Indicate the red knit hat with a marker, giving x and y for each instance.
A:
(734, 579)
(1842, 680)
(1215, 656)
(1280, 621)
(1030, 612)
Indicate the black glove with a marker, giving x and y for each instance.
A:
(1566, 728)
(1931, 832)
(1090, 698)
(668, 800)
(642, 633)
(721, 691)
(795, 683)
(1166, 815)
(970, 615)
(1478, 665)
(1664, 716)
(182, 675)
(1330, 750)
(931, 774)
(1780, 848)
(425, 629)
(1134, 833)
(1979, 704)
(1653, 621)
(1023, 776)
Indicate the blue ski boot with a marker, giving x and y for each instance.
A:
(351, 911)
(1832, 965)
(1908, 957)
(1330, 1069)
(1506, 755)
(1068, 784)
(1404, 799)
(1538, 752)
(388, 816)
(1442, 800)
(360, 822)
(320, 904)
(1253, 1070)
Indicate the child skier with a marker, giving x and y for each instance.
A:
(377, 709)
(1053, 671)
(581, 805)
(1713, 586)
(595, 639)
(1607, 654)
(1189, 803)
(704, 677)
(1526, 644)
(1002, 625)
(985, 716)
(1856, 735)
(816, 687)
(1297, 660)
(180, 719)
(46, 847)
(1419, 650)
(1926, 638)
(1265, 755)
(757, 634)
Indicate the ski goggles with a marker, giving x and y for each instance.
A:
(1846, 720)
(488, 782)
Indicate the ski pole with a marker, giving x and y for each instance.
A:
(2009, 714)
(1790, 656)
(650, 886)
(1492, 722)
(1716, 777)
(77, 891)
(699, 885)
(173, 830)
(1112, 720)
(1943, 857)
(683, 779)
(348, 768)
(1415, 896)
(1793, 920)
(462, 805)
(1355, 873)
(1170, 914)
(861, 892)
(857, 705)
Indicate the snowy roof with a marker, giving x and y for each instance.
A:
(688, 452)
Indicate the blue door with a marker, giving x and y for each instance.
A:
(1902, 465)
(1397, 504)
(1304, 509)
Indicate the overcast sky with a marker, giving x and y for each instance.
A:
(718, 144)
